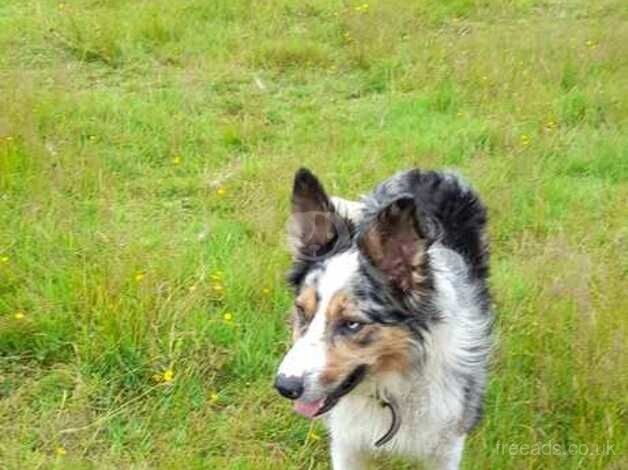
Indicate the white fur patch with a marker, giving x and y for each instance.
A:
(352, 210)
(338, 272)
(307, 355)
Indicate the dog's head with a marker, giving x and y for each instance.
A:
(355, 281)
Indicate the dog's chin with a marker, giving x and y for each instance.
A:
(315, 408)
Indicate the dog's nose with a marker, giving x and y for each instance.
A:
(290, 387)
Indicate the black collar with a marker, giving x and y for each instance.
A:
(391, 404)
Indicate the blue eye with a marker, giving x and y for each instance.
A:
(349, 326)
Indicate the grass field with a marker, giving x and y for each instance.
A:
(146, 156)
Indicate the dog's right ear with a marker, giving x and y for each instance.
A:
(396, 245)
(312, 229)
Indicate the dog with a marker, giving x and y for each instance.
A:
(392, 319)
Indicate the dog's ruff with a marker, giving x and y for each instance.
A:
(392, 306)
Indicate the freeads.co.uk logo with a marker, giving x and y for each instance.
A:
(555, 448)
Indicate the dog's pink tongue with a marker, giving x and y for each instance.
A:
(308, 409)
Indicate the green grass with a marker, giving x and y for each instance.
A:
(146, 156)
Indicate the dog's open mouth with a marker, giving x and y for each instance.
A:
(313, 409)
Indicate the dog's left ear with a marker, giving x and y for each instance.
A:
(313, 227)
(396, 246)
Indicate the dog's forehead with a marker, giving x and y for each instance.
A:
(334, 274)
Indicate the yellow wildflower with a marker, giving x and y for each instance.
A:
(266, 291)
(19, 315)
(221, 191)
(313, 435)
(525, 140)
(176, 160)
(168, 375)
(139, 277)
(214, 397)
(591, 44)
(60, 451)
(4, 259)
(228, 316)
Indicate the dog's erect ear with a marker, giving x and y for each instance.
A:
(395, 245)
(313, 228)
